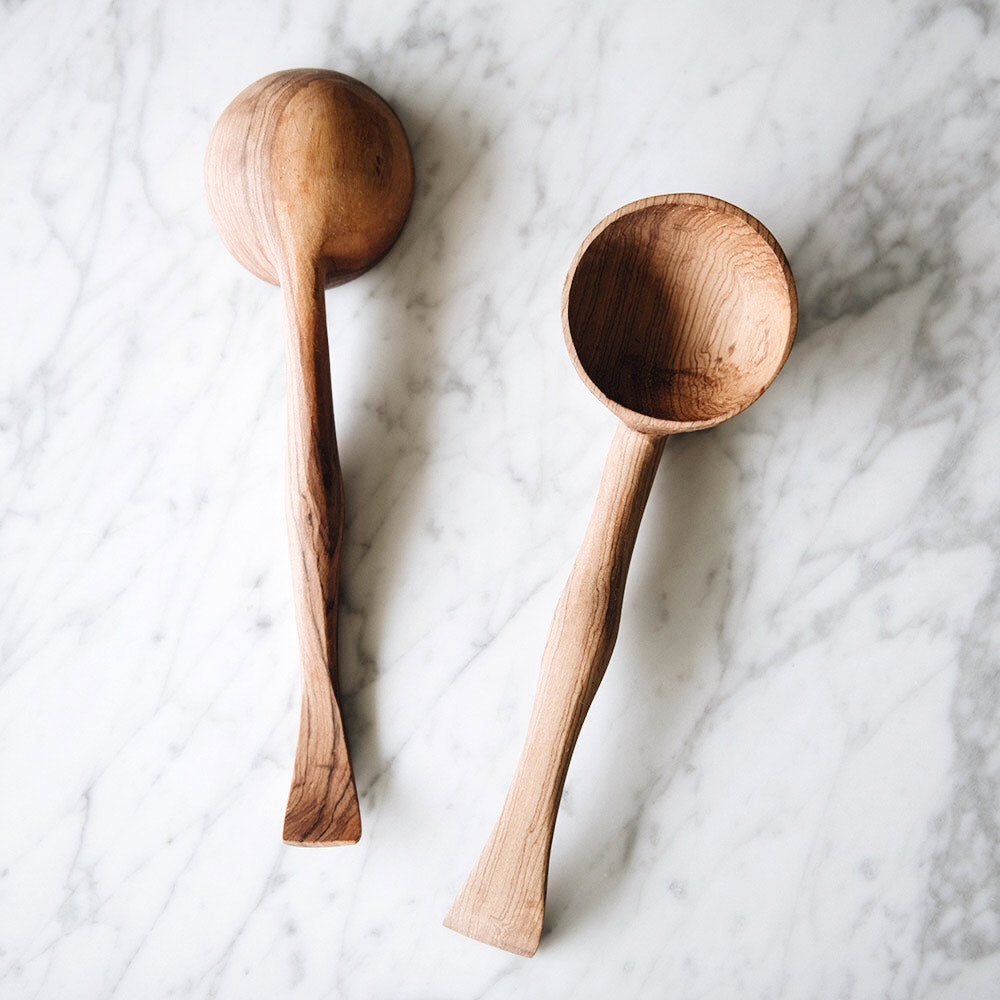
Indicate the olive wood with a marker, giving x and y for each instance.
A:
(309, 179)
(678, 312)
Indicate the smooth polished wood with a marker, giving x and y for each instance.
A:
(309, 179)
(678, 313)
(511, 875)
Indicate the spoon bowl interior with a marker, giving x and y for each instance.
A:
(679, 311)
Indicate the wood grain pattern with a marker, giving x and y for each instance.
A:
(323, 803)
(309, 178)
(678, 313)
(503, 902)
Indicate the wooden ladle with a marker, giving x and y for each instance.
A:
(309, 178)
(678, 312)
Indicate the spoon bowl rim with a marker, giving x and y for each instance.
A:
(643, 422)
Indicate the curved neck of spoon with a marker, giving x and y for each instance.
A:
(307, 364)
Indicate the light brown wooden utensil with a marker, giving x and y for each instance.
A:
(678, 312)
(309, 178)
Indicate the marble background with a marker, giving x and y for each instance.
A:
(789, 785)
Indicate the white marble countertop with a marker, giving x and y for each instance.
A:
(789, 784)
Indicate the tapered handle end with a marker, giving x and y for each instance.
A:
(323, 801)
(503, 901)
(479, 914)
(330, 819)
(341, 828)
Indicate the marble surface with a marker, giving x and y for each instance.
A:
(789, 784)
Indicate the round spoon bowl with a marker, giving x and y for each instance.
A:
(309, 167)
(678, 312)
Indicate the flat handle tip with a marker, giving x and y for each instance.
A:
(520, 936)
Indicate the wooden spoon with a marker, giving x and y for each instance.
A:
(309, 178)
(678, 312)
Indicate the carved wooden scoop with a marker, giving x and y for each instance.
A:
(678, 312)
(309, 179)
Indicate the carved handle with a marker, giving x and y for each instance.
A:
(503, 901)
(323, 803)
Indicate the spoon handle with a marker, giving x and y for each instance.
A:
(323, 803)
(503, 901)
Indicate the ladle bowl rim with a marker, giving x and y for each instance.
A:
(643, 422)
